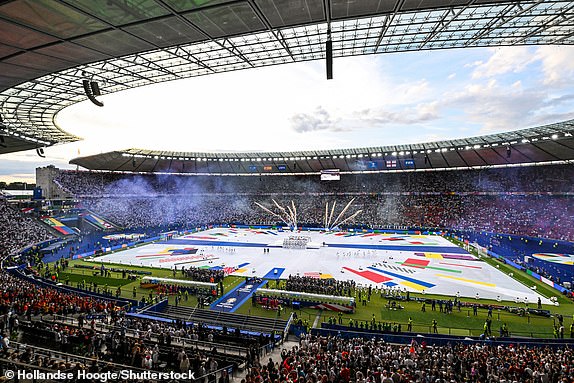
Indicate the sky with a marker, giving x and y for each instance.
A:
(375, 100)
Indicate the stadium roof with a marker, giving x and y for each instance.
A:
(48, 48)
(545, 144)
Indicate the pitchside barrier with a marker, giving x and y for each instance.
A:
(436, 339)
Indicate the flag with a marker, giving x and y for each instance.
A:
(412, 349)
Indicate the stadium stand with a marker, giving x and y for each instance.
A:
(331, 359)
(62, 330)
(531, 201)
(18, 231)
(22, 297)
(551, 178)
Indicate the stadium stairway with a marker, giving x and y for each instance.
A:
(236, 297)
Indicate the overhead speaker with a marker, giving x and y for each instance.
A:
(329, 58)
(40, 152)
(90, 87)
(95, 88)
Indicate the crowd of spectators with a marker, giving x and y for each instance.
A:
(98, 351)
(328, 286)
(149, 346)
(538, 216)
(528, 201)
(29, 312)
(108, 342)
(18, 230)
(18, 296)
(334, 359)
(203, 275)
(543, 179)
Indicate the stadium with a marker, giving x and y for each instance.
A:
(448, 260)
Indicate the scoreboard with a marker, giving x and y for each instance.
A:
(330, 175)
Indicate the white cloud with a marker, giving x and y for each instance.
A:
(496, 107)
(308, 122)
(503, 60)
(557, 65)
(408, 115)
(366, 119)
(473, 64)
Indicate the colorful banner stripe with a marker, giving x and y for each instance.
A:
(429, 267)
(408, 279)
(467, 280)
(455, 264)
(373, 277)
(460, 257)
(59, 226)
(563, 259)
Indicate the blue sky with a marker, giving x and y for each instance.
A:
(372, 101)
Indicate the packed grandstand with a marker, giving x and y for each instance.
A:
(532, 201)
